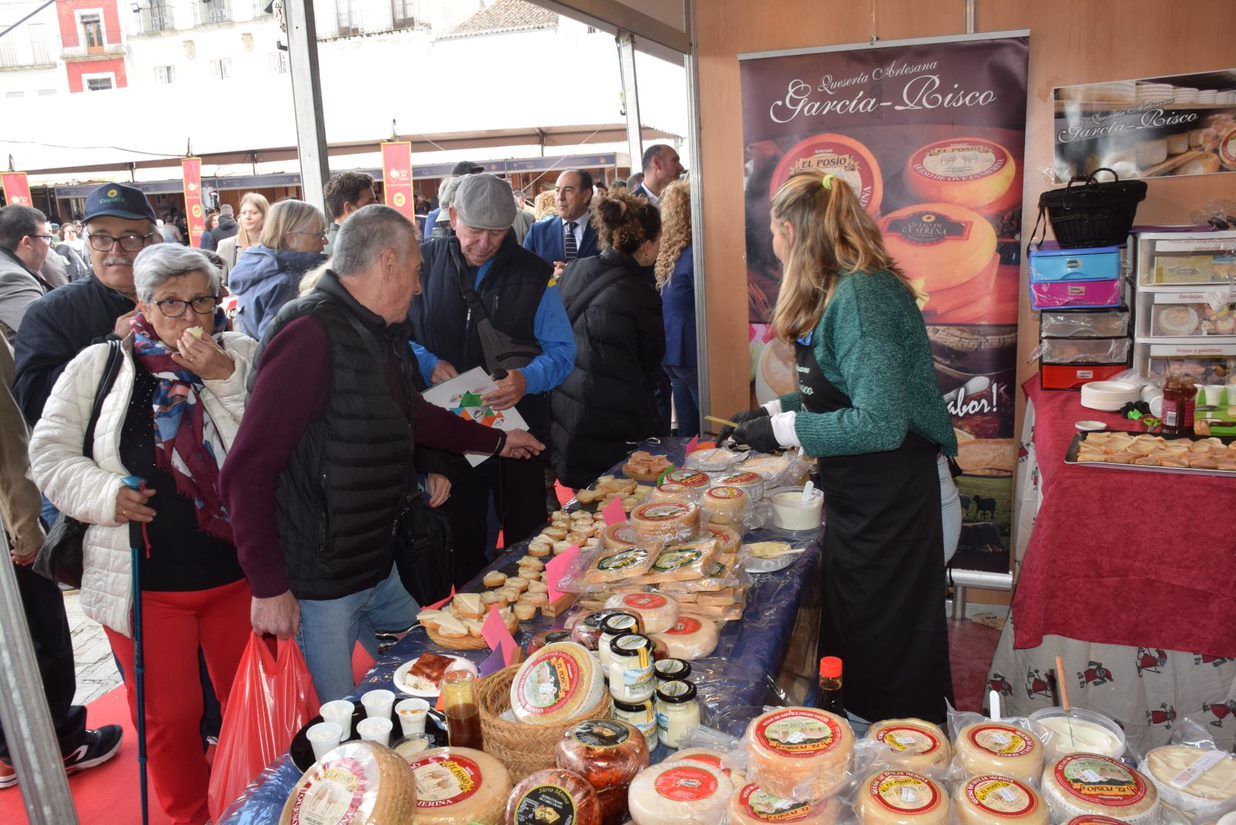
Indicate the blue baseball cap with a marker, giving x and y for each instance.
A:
(118, 201)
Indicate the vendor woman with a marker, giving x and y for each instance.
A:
(869, 409)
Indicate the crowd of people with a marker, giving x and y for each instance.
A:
(265, 462)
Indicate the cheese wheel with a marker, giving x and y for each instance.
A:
(1063, 735)
(558, 683)
(969, 171)
(657, 613)
(711, 758)
(993, 747)
(671, 492)
(606, 752)
(692, 480)
(1086, 783)
(690, 638)
(357, 783)
(999, 800)
(942, 244)
(767, 467)
(1199, 782)
(901, 798)
(683, 561)
(751, 483)
(728, 539)
(677, 793)
(553, 797)
(912, 744)
(724, 505)
(844, 158)
(799, 753)
(612, 565)
(665, 520)
(621, 536)
(1093, 819)
(459, 785)
(752, 805)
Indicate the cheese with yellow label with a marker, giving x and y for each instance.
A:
(901, 798)
(994, 747)
(752, 805)
(999, 800)
(455, 785)
(912, 744)
(941, 245)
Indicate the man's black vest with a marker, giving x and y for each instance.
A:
(351, 475)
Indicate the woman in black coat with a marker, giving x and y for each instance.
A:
(608, 402)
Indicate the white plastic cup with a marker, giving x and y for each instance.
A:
(375, 730)
(378, 703)
(1231, 395)
(1213, 394)
(412, 713)
(324, 737)
(339, 712)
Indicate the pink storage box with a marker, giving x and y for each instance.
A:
(1075, 294)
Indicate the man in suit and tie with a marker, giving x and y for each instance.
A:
(662, 166)
(562, 239)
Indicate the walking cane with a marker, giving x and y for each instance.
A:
(139, 545)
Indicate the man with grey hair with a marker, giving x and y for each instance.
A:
(328, 440)
(441, 227)
(481, 276)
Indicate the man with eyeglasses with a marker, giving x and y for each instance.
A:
(25, 241)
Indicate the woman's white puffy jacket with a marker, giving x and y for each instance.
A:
(86, 489)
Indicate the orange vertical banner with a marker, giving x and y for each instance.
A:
(195, 215)
(16, 189)
(397, 178)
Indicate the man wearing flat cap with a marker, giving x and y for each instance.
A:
(488, 303)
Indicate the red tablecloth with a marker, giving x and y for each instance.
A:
(1122, 557)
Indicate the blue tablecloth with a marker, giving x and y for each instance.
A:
(734, 683)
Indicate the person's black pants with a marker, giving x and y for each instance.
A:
(53, 649)
(518, 491)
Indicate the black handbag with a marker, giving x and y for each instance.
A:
(424, 552)
(60, 556)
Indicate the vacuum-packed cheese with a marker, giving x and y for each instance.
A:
(616, 565)
(683, 561)
(553, 797)
(728, 539)
(621, 536)
(679, 793)
(657, 613)
(1086, 783)
(912, 744)
(901, 798)
(692, 480)
(606, 752)
(671, 492)
(799, 753)
(993, 747)
(357, 783)
(456, 785)
(712, 759)
(749, 482)
(690, 638)
(724, 505)
(1197, 781)
(752, 805)
(999, 800)
(559, 682)
(667, 520)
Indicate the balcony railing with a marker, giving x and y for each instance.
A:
(13, 57)
(93, 52)
(210, 12)
(157, 17)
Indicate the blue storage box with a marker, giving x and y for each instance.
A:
(1051, 264)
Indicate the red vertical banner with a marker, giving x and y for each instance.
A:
(16, 189)
(195, 215)
(397, 178)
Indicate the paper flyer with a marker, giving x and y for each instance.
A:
(461, 395)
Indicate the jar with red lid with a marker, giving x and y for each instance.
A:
(1179, 400)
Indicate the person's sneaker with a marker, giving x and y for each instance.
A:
(98, 747)
(8, 776)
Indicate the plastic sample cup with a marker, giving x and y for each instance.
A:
(378, 703)
(324, 737)
(340, 712)
(375, 730)
(1212, 394)
(412, 713)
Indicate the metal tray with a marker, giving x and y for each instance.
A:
(1070, 457)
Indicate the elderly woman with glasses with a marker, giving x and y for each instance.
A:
(266, 277)
(169, 419)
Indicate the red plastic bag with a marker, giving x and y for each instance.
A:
(272, 698)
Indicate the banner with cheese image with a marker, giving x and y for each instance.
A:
(930, 134)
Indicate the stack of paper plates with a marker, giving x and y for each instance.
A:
(1109, 396)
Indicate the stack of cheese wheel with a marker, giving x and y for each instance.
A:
(608, 753)
(1086, 783)
(690, 638)
(724, 505)
(1199, 782)
(665, 520)
(657, 613)
(712, 758)
(799, 753)
(553, 796)
(357, 782)
(752, 483)
(1093, 819)
(679, 793)
(459, 785)
(558, 683)
(901, 798)
(999, 800)
(994, 747)
(621, 536)
(693, 481)
(672, 492)
(752, 805)
(912, 744)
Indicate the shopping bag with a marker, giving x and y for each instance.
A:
(272, 698)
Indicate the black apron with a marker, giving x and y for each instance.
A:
(883, 568)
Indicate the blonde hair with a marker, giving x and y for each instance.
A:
(624, 222)
(545, 207)
(259, 202)
(832, 236)
(675, 229)
(309, 281)
(286, 217)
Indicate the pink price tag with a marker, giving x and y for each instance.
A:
(438, 605)
(563, 494)
(495, 634)
(613, 512)
(693, 444)
(556, 569)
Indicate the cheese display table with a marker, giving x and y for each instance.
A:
(734, 683)
(1129, 576)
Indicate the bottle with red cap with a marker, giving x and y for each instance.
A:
(830, 685)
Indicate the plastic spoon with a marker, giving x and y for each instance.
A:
(808, 489)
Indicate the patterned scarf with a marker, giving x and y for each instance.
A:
(187, 445)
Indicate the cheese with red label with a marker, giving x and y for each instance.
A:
(1086, 783)
(752, 805)
(558, 683)
(606, 752)
(994, 747)
(724, 505)
(999, 800)
(969, 171)
(657, 612)
(713, 759)
(671, 491)
(621, 536)
(456, 785)
(799, 753)
(679, 793)
(901, 798)
(665, 519)
(752, 483)
(691, 637)
(553, 797)
(912, 744)
(845, 158)
(357, 783)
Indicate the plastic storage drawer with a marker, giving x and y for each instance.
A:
(1076, 295)
(1086, 350)
(1077, 323)
(1050, 264)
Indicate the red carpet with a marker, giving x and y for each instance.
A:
(971, 647)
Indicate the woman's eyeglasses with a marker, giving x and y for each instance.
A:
(175, 308)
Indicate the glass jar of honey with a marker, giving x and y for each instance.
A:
(1179, 400)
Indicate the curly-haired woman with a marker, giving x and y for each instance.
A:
(675, 271)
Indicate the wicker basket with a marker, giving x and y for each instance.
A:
(524, 749)
(1092, 214)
